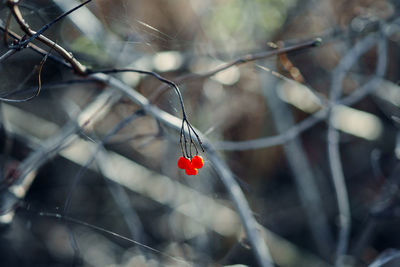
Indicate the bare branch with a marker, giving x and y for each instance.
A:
(259, 247)
(241, 60)
(52, 146)
(78, 67)
(23, 43)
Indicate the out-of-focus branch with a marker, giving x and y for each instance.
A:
(260, 249)
(338, 178)
(307, 189)
(32, 46)
(357, 95)
(8, 54)
(33, 35)
(51, 147)
(241, 60)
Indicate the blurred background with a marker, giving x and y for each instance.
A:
(312, 136)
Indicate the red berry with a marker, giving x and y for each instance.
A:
(183, 163)
(197, 162)
(191, 171)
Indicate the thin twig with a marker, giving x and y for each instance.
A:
(151, 73)
(7, 54)
(39, 71)
(241, 60)
(40, 67)
(260, 249)
(22, 44)
(82, 170)
(103, 230)
(77, 66)
(33, 47)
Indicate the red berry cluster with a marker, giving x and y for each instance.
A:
(190, 165)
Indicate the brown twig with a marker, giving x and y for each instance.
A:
(76, 65)
(32, 46)
(241, 60)
(40, 67)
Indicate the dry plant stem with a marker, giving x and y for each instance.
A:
(32, 46)
(257, 56)
(40, 72)
(76, 65)
(244, 145)
(82, 70)
(333, 135)
(150, 73)
(260, 249)
(186, 152)
(21, 44)
(185, 122)
(256, 143)
(242, 60)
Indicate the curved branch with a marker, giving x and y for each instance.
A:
(260, 249)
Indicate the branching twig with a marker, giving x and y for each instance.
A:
(16, 12)
(302, 126)
(53, 145)
(241, 60)
(77, 66)
(260, 249)
(248, 58)
(249, 223)
(32, 46)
